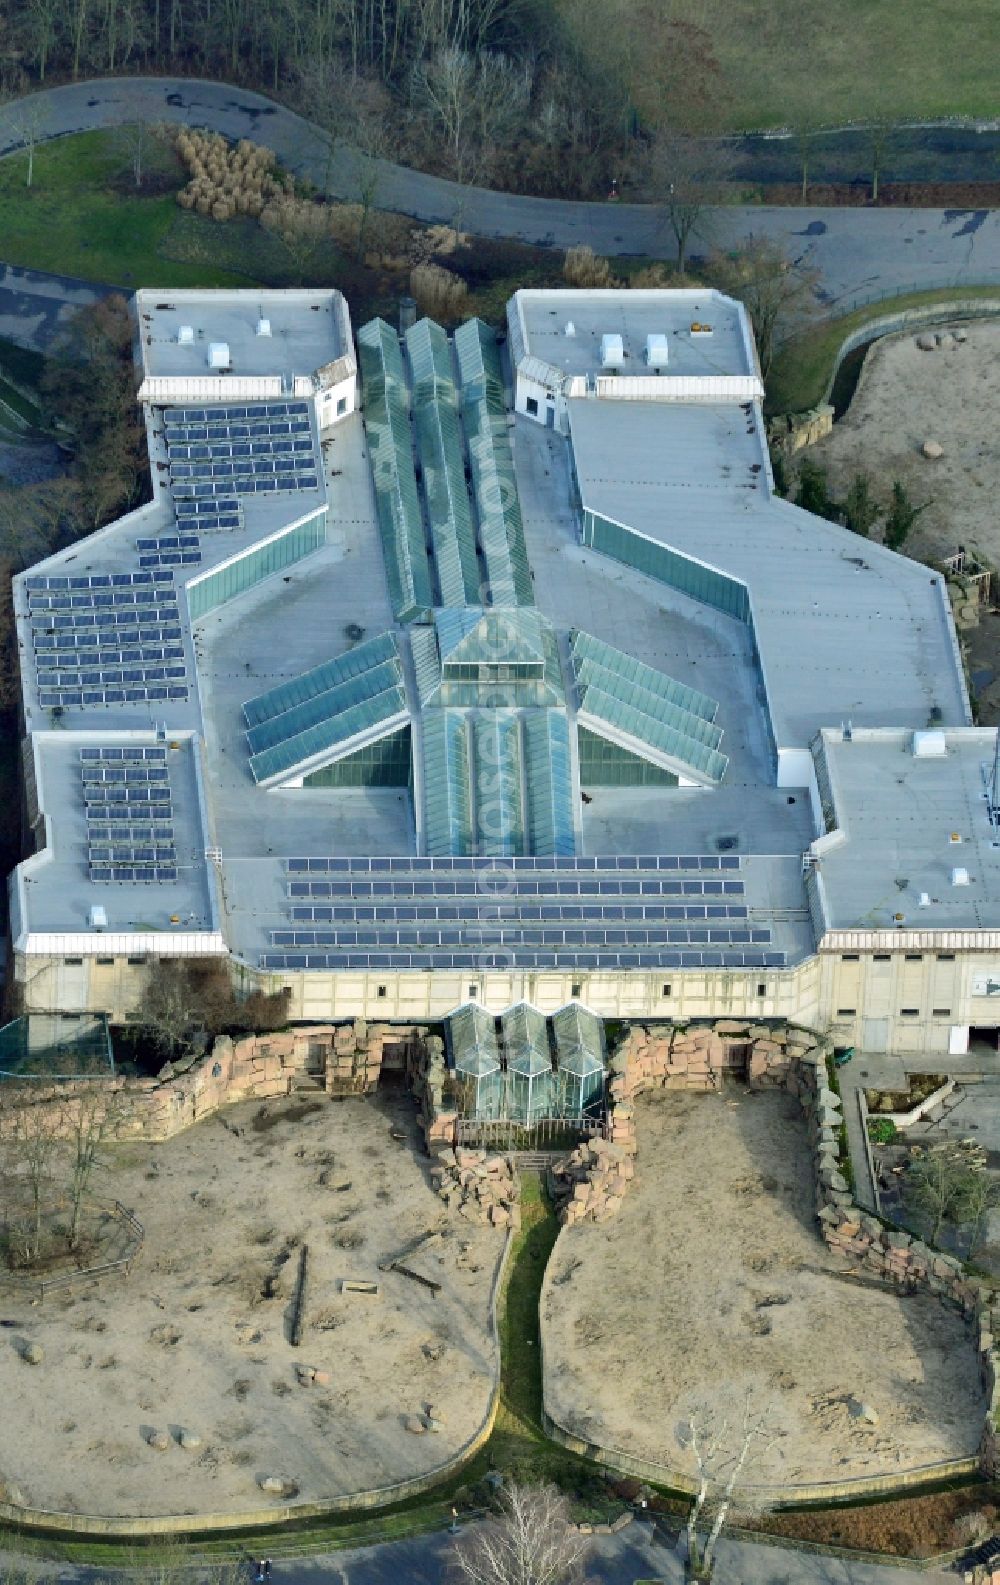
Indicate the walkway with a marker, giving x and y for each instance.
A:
(857, 251)
(633, 1554)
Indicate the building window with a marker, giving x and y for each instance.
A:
(665, 989)
(913, 957)
(846, 1012)
(73, 963)
(849, 957)
(531, 405)
(942, 1012)
(135, 962)
(882, 957)
(473, 992)
(106, 963)
(909, 1012)
(946, 957)
(341, 406)
(761, 989)
(382, 990)
(575, 988)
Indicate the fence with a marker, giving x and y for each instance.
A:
(906, 319)
(38, 1287)
(547, 1135)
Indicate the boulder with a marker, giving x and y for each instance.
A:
(33, 1353)
(158, 1440)
(863, 1411)
(960, 335)
(276, 1484)
(414, 1424)
(945, 340)
(321, 1378)
(932, 449)
(189, 1440)
(926, 341)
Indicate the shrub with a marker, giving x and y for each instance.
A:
(583, 268)
(881, 1130)
(438, 293)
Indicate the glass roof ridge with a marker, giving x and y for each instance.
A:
(584, 645)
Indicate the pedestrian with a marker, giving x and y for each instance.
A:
(267, 1569)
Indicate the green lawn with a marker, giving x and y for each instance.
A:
(78, 218)
(905, 59)
(802, 368)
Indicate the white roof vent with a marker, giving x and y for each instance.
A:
(929, 745)
(924, 900)
(612, 352)
(570, 328)
(98, 917)
(263, 326)
(657, 350)
(218, 355)
(959, 877)
(185, 335)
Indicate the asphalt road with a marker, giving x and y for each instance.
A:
(857, 251)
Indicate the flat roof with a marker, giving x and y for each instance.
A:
(845, 628)
(307, 330)
(720, 347)
(903, 824)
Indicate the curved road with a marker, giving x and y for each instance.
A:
(859, 252)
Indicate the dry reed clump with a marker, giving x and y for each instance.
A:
(228, 179)
(438, 293)
(585, 269)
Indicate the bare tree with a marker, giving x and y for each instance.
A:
(722, 1450)
(31, 1145)
(25, 120)
(685, 177)
(87, 1118)
(134, 135)
(778, 293)
(474, 102)
(880, 134)
(171, 1012)
(530, 1542)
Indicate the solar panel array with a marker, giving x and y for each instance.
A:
(129, 809)
(662, 911)
(107, 639)
(170, 550)
(219, 453)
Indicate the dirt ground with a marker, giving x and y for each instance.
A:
(712, 1280)
(905, 397)
(189, 1342)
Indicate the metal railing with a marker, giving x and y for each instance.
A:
(38, 1287)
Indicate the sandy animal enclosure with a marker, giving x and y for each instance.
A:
(188, 1341)
(951, 395)
(906, 396)
(712, 1279)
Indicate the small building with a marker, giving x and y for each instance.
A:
(579, 1038)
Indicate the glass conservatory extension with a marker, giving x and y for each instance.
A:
(472, 1038)
(529, 1087)
(579, 1038)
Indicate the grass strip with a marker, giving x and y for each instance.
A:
(803, 366)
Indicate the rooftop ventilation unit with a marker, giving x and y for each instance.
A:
(612, 352)
(924, 900)
(959, 877)
(570, 328)
(218, 355)
(929, 745)
(263, 326)
(185, 335)
(657, 350)
(98, 917)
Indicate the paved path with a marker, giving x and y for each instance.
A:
(858, 251)
(621, 1559)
